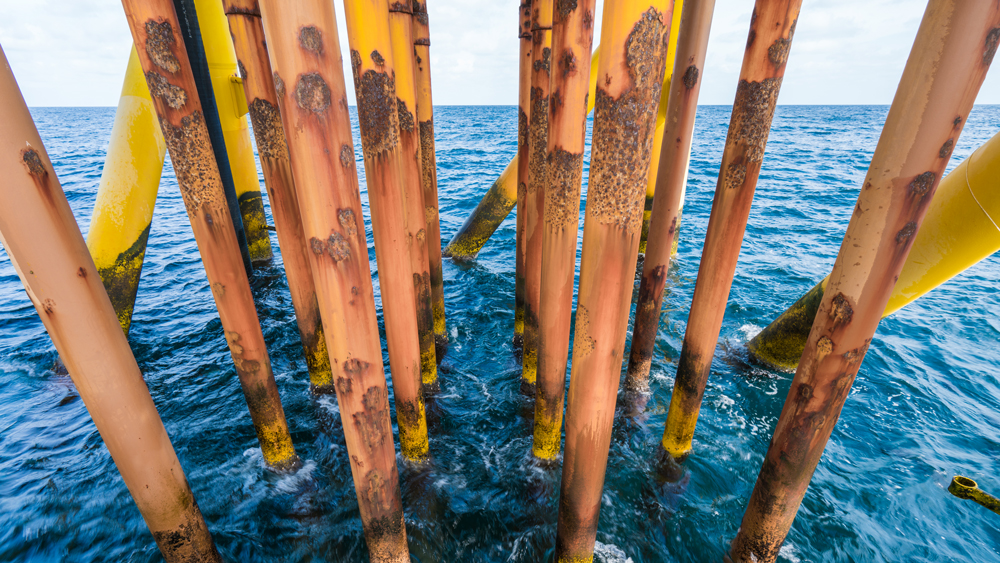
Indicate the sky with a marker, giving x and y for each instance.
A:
(74, 52)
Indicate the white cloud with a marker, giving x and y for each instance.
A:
(73, 52)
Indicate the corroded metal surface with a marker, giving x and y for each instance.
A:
(411, 172)
(629, 73)
(44, 243)
(428, 166)
(172, 85)
(772, 26)
(572, 39)
(534, 192)
(692, 44)
(258, 84)
(304, 48)
(375, 81)
(951, 54)
(523, 111)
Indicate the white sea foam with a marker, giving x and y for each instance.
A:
(604, 553)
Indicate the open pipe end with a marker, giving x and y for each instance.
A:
(963, 487)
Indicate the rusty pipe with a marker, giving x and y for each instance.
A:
(771, 29)
(171, 83)
(378, 117)
(534, 196)
(43, 242)
(258, 85)
(523, 111)
(309, 81)
(428, 167)
(633, 58)
(572, 40)
(411, 172)
(692, 43)
(954, 47)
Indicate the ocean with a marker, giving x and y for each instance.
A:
(925, 406)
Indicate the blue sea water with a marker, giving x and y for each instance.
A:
(925, 406)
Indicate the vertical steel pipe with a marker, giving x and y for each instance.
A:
(534, 198)
(692, 43)
(309, 80)
(572, 39)
(523, 111)
(633, 55)
(41, 238)
(154, 28)
(258, 87)
(428, 167)
(231, 102)
(954, 47)
(378, 118)
(123, 210)
(661, 113)
(411, 172)
(772, 26)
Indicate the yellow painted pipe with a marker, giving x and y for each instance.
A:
(959, 230)
(126, 195)
(232, 105)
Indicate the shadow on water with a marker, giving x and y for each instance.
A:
(925, 405)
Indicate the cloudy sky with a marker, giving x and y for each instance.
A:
(73, 52)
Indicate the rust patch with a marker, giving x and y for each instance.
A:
(583, 337)
(992, 39)
(945, 151)
(194, 162)
(82, 272)
(588, 19)
(243, 69)
(346, 156)
(957, 121)
(318, 246)
(690, 78)
(565, 8)
(538, 137)
(545, 62)
(34, 163)
(311, 39)
(562, 191)
(348, 221)
(344, 386)
(753, 112)
(312, 93)
(422, 20)
(378, 59)
(567, 62)
(778, 51)
(428, 168)
(400, 7)
(906, 232)
(49, 306)
(623, 129)
(735, 175)
(377, 115)
(159, 87)
(423, 40)
(279, 85)
(406, 121)
(338, 247)
(160, 43)
(267, 130)
(371, 420)
(922, 184)
(841, 310)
